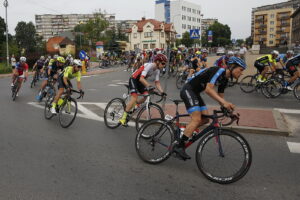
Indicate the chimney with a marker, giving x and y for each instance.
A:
(143, 18)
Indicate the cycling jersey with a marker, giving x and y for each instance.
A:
(51, 62)
(202, 59)
(40, 63)
(266, 59)
(219, 62)
(292, 63)
(68, 73)
(195, 63)
(21, 68)
(147, 70)
(190, 93)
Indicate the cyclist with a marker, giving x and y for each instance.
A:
(69, 60)
(222, 61)
(263, 62)
(38, 66)
(51, 72)
(205, 80)
(195, 61)
(203, 58)
(291, 68)
(139, 84)
(283, 58)
(19, 70)
(64, 82)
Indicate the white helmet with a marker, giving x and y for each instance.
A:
(230, 53)
(22, 59)
(55, 56)
(274, 52)
(69, 56)
(77, 62)
(42, 57)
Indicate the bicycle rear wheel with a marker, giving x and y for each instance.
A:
(67, 113)
(114, 112)
(248, 84)
(296, 91)
(157, 147)
(14, 92)
(224, 158)
(144, 115)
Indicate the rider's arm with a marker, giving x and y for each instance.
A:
(210, 91)
(158, 86)
(144, 82)
(79, 85)
(34, 66)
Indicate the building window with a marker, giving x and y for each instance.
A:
(189, 27)
(198, 20)
(271, 29)
(271, 36)
(148, 34)
(183, 8)
(189, 18)
(272, 15)
(162, 46)
(136, 46)
(271, 42)
(183, 17)
(135, 35)
(152, 46)
(189, 9)
(145, 46)
(272, 22)
(194, 19)
(162, 34)
(194, 11)
(193, 27)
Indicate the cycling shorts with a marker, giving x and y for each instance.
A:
(61, 83)
(136, 87)
(192, 100)
(259, 66)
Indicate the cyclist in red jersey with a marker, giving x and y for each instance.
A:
(139, 84)
(19, 70)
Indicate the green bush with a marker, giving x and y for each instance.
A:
(4, 69)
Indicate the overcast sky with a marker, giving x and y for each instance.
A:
(235, 13)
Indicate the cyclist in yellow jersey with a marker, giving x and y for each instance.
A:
(64, 82)
(263, 62)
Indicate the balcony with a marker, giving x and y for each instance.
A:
(283, 17)
(260, 20)
(260, 26)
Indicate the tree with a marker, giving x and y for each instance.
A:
(186, 40)
(249, 41)
(239, 42)
(2, 30)
(221, 35)
(26, 36)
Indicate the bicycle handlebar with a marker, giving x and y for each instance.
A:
(76, 91)
(224, 113)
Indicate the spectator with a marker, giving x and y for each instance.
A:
(242, 52)
(13, 61)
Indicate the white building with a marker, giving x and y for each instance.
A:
(183, 14)
(150, 34)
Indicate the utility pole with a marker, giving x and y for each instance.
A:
(5, 3)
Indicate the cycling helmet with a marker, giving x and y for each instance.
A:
(160, 58)
(274, 52)
(291, 52)
(230, 53)
(175, 49)
(42, 57)
(198, 52)
(238, 61)
(61, 59)
(55, 56)
(22, 59)
(77, 62)
(69, 56)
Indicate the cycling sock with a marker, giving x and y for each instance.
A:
(125, 114)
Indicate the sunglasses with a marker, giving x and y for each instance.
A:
(163, 63)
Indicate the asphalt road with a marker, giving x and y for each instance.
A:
(41, 160)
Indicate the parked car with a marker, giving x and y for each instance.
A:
(220, 51)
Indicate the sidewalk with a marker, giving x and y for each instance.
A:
(260, 121)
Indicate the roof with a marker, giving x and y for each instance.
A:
(99, 43)
(52, 45)
(295, 13)
(157, 25)
(66, 41)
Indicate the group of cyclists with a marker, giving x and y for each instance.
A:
(57, 69)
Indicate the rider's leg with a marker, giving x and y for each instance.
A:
(128, 108)
(263, 73)
(296, 75)
(14, 76)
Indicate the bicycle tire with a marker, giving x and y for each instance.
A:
(274, 87)
(139, 121)
(47, 110)
(14, 91)
(239, 140)
(61, 114)
(113, 113)
(296, 91)
(180, 81)
(156, 137)
(248, 84)
(264, 89)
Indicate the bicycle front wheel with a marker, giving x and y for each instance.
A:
(223, 158)
(248, 84)
(273, 88)
(296, 91)
(67, 113)
(145, 114)
(47, 111)
(114, 112)
(157, 147)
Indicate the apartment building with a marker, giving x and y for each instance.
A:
(150, 34)
(296, 26)
(272, 25)
(183, 14)
(49, 25)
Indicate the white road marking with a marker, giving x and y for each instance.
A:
(86, 113)
(294, 147)
(288, 111)
(113, 85)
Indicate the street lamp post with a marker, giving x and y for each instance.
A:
(5, 3)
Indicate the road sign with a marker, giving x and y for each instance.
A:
(210, 33)
(195, 34)
(82, 55)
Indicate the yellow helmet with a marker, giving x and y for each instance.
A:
(198, 52)
(175, 49)
(61, 59)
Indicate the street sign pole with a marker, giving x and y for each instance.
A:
(7, 52)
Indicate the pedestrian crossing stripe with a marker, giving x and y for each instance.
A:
(294, 147)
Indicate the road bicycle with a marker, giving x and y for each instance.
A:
(144, 112)
(35, 78)
(49, 90)
(15, 89)
(222, 155)
(66, 108)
